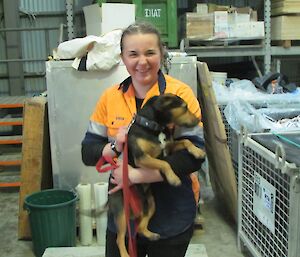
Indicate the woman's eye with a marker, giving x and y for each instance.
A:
(132, 54)
(150, 53)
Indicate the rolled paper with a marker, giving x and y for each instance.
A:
(101, 191)
(85, 214)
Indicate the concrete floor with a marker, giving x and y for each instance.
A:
(218, 234)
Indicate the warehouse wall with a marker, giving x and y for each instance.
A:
(38, 45)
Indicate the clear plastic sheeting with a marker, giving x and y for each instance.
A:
(246, 91)
(242, 114)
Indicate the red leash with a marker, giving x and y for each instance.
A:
(128, 199)
(130, 195)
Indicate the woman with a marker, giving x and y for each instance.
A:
(142, 52)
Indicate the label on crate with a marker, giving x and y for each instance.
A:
(264, 196)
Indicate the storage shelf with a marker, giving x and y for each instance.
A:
(10, 140)
(278, 50)
(11, 121)
(225, 51)
(11, 159)
(265, 49)
(12, 101)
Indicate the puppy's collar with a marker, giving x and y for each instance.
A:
(150, 124)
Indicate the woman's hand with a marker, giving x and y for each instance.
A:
(117, 176)
(120, 138)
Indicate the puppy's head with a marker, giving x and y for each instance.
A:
(172, 109)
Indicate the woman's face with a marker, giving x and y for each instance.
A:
(142, 57)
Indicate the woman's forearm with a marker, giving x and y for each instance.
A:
(138, 175)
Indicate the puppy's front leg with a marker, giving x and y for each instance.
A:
(121, 226)
(186, 144)
(152, 163)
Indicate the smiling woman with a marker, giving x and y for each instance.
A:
(142, 52)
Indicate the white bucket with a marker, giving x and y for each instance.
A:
(219, 77)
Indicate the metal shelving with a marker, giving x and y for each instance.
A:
(10, 154)
(265, 49)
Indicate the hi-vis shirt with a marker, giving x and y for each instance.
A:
(175, 206)
(116, 107)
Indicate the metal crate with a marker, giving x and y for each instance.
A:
(268, 199)
(232, 141)
(233, 137)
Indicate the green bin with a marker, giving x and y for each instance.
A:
(52, 217)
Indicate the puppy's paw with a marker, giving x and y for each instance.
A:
(174, 180)
(150, 235)
(197, 152)
(154, 237)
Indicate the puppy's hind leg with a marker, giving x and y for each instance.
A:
(121, 226)
(145, 218)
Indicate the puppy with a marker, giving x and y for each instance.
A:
(146, 142)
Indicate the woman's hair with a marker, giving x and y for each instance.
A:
(142, 28)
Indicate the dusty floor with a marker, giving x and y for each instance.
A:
(218, 234)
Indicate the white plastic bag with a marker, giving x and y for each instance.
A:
(102, 52)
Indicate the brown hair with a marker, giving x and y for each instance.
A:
(143, 28)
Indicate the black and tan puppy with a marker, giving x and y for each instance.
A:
(146, 143)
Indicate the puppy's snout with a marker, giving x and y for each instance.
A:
(189, 120)
(193, 121)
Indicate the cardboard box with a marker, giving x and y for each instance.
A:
(247, 30)
(285, 28)
(257, 29)
(200, 26)
(100, 20)
(235, 17)
(202, 8)
(117, 16)
(221, 29)
(216, 7)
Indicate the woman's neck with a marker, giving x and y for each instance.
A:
(141, 90)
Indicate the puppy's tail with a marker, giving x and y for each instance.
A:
(99, 211)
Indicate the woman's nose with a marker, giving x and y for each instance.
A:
(142, 59)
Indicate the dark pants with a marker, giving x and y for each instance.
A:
(171, 247)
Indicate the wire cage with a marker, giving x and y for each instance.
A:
(285, 110)
(269, 195)
(232, 141)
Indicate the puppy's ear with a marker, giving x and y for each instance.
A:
(167, 101)
(162, 102)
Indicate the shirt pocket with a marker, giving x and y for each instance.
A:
(114, 125)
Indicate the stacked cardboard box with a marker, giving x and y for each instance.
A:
(280, 7)
(213, 21)
(285, 26)
(199, 26)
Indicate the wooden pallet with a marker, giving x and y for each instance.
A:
(286, 43)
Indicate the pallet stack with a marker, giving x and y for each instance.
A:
(285, 21)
